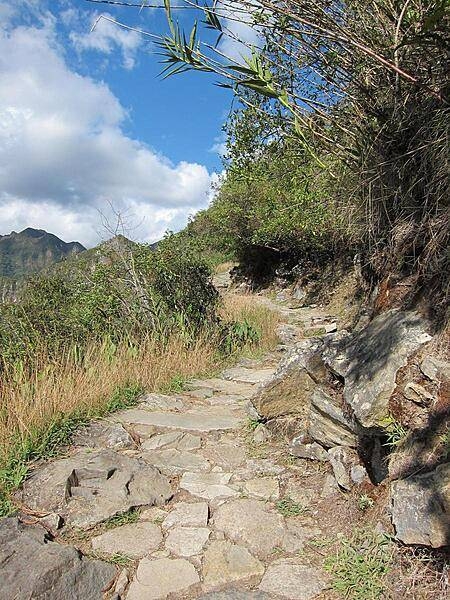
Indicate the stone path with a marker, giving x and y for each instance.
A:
(225, 513)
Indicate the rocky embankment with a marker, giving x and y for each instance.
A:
(195, 495)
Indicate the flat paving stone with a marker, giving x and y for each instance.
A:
(173, 439)
(293, 581)
(187, 514)
(228, 456)
(263, 488)
(225, 563)
(250, 523)
(176, 462)
(157, 579)
(206, 420)
(252, 376)
(134, 540)
(224, 386)
(208, 485)
(161, 402)
(226, 400)
(187, 541)
(234, 594)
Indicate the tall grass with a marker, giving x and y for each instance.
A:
(41, 408)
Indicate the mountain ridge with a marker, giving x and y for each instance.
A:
(32, 250)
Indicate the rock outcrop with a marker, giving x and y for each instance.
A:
(34, 566)
(90, 487)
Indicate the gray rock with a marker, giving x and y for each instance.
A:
(208, 485)
(187, 541)
(226, 563)
(330, 327)
(310, 451)
(330, 487)
(343, 460)
(33, 566)
(157, 579)
(435, 369)
(173, 439)
(243, 375)
(261, 434)
(88, 488)
(263, 488)
(229, 456)
(175, 462)
(417, 393)
(223, 386)
(327, 423)
(205, 419)
(358, 474)
(121, 583)
(421, 508)
(161, 402)
(102, 434)
(250, 523)
(187, 514)
(369, 360)
(292, 580)
(234, 594)
(134, 540)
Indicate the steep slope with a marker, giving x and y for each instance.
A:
(32, 250)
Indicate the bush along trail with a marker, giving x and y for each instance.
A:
(194, 494)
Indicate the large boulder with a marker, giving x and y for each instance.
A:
(34, 566)
(327, 423)
(90, 487)
(421, 508)
(368, 361)
(289, 391)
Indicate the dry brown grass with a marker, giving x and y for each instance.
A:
(59, 392)
(29, 403)
(245, 307)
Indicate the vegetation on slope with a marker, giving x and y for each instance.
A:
(79, 343)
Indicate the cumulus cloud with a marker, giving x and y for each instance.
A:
(106, 37)
(64, 156)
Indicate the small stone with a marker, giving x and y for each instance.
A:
(243, 375)
(161, 402)
(330, 487)
(342, 459)
(312, 451)
(358, 474)
(187, 514)
(157, 579)
(134, 540)
(51, 521)
(226, 563)
(263, 488)
(208, 485)
(175, 462)
(187, 541)
(421, 508)
(330, 327)
(435, 369)
(154, 514)
(121, 583)
(251, 523)
(261, 434)
(173, 439)
(293, 581)
(417, 393)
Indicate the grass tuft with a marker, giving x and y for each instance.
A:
(289, 508)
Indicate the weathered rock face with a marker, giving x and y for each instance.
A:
(289, 391)
(225, 562)
(327, 423)
(33, 566)
(88, 488)
(346, 467)
(369, 360)
(421, 508)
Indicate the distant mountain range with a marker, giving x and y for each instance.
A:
(32, 250)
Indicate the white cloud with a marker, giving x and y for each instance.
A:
(240, 33)
(64, 156)
(106, 37)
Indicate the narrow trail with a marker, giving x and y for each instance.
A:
(241, 513)
(235, 516)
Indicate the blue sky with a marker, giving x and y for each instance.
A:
(87, 128)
